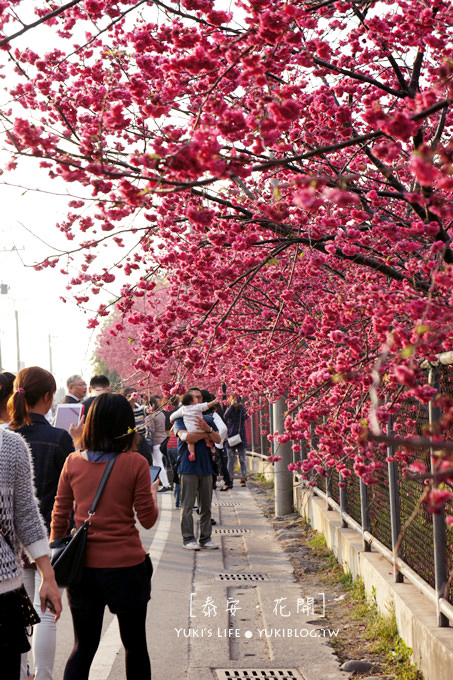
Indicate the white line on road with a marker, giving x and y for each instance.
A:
(111, 641)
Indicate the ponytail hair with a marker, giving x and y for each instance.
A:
(30, 385)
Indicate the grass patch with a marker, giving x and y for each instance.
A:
(318, 545)
(268, 483)
(382, 631)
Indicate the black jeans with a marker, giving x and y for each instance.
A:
(87, 634)
(126, 591)
(224, 465)
(11, 665)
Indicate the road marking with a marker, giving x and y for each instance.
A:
(111, 643)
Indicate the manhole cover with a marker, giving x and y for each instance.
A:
(226, 504)
(241, 577)
(232, 531)
(261, 673)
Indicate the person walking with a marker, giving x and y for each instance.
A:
(220, 460)
(170, 405)
(156, 425)
(20, 522)
(140, 412)
(235, 417)
(76, 389)
(34, 390)
(196, 479)
(117, 571)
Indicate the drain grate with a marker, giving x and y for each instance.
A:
(260, 673)
(233, 532)
(239, 576)
(226, 504)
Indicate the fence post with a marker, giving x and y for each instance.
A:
(271, 428)
(328, 489)
(261, 425)
(283, 478)
(439, 533)
(252, 431)
(364, 513)
(343, 503)
(303, 449)
(395, 505)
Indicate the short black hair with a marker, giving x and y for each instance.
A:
(99, 381)
(207, 396)
(6, 387)
(187, 398)
(110, 424)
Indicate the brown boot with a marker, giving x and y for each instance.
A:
(243, 481)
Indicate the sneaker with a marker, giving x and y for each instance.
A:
(191, 545)
(163, 489)
(209, 545)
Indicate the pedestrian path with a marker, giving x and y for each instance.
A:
(236, 612)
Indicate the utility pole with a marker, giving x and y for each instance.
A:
(3, 291)
(16, 314)
(50, 354)
(283, 479)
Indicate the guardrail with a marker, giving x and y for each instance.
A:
(401, 568)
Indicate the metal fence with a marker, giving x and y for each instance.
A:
(388, 511)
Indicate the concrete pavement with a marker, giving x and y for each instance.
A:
(236, 612)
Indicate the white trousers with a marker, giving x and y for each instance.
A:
(44, 638)
(157, 460)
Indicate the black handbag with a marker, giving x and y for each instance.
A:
(163, 446)
(18, 603)
(68, 552)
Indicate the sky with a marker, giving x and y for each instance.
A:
(36, 327)
(51, 334)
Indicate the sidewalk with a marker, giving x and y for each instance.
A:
(236, 612)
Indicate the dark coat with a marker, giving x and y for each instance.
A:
(234, 418)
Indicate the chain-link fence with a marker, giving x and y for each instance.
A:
(415, 522)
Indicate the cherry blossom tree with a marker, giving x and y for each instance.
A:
(285, 165)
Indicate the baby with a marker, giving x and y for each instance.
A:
(190, 412)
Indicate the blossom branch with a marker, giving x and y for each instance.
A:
(41, 20)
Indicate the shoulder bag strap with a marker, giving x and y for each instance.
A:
(102, 484)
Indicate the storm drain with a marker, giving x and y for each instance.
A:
(232, 532)
(261, 673)
(226, 504)
(239, 576)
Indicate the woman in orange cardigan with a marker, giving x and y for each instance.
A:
(117, 569)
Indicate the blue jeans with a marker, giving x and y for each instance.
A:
(240, 451)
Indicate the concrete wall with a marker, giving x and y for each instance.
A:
(432, 647)
(260, 466)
